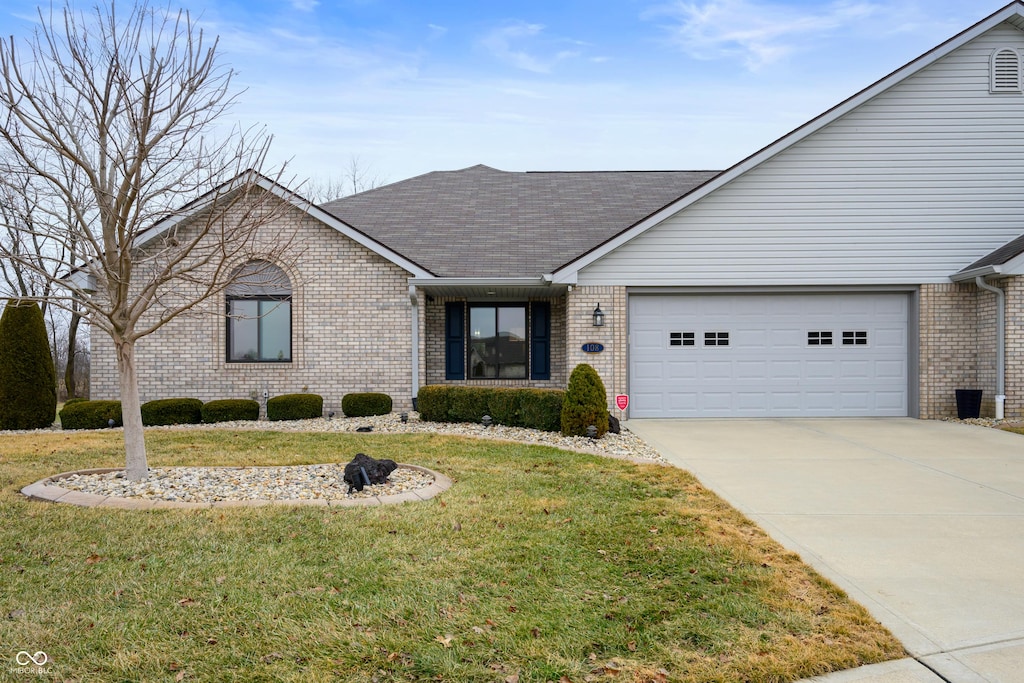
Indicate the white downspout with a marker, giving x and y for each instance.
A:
(1000, 343)
(415, 341)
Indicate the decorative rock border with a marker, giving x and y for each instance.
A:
(49, 490)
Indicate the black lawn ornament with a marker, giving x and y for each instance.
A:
(366, 471)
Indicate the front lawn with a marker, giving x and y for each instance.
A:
(537, 565)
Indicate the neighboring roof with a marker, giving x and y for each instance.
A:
(1012, 13)
(483, 222)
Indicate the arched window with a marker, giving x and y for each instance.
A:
(259, 315)
(1005, 70)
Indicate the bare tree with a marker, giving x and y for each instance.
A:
(357, 177)
(116, 119)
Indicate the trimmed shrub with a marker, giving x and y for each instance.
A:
(503, 406)
(172, 411)
(365, 404)
(432, 401)
(533, 408)
(230, 410)
(541, 408)
(468, 404)
(295, 407)
(71, 401)
(585, 403)
(90, 415)
(28, 382)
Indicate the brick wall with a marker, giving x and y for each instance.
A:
(611, 364)
(958, 346)
(1014, 406)
(351, 331)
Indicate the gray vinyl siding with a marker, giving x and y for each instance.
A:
(909, 187)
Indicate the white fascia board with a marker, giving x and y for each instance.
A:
(567, 273)
(441, 282)
(970, 275)
(1014, 266)
(295, 200)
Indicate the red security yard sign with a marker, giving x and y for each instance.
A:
(621, 401)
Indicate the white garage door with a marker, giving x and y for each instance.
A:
(771, 355)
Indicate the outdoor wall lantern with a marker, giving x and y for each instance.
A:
(598, 317)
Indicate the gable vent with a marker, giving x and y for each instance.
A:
(1005, 71)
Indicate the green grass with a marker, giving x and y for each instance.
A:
(537, 563)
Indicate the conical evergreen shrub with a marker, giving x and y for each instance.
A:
(585, 403)
(28, 382)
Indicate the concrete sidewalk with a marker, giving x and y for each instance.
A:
(921, 522)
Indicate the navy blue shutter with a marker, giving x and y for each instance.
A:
(540, 340)
(454, 340)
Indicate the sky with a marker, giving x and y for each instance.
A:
(404, 87)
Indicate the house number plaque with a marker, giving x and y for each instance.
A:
(592, 347)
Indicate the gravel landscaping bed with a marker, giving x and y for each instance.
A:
(216, 484)
(325, 481)
(625, 445)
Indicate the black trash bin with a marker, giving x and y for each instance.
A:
(968, 403)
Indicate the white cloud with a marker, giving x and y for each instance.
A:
(506, 44)
(305, 5)
(757, 33)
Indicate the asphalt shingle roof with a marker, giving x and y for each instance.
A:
(1000, 256)
(482, 222)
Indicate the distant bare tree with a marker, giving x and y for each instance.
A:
(25, 252)
(112, 117)
(357, 177)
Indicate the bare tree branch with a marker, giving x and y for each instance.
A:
(110, 131)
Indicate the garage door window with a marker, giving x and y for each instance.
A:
(681, 339)
(819, 338)
(855, 338)
(716, 339)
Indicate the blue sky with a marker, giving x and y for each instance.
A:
(409, 86)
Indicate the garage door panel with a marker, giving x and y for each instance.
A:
(716, 370)
(648, 370)
(649, 339)
(751, 369)
(890, 369)
(716, 401)
(681, 370)
(749, 339)
(890, 338)
(682, 401)
(856, 369)
(821, 369)
(771, 365)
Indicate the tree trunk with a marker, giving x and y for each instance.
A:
(136, 467)
(69, 368)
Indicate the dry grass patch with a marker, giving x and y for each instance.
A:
(538, 564)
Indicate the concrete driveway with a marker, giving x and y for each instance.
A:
(921, 522)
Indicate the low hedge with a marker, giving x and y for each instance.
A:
(90, 414)
(365, 404)
(172, 411)
(295, 407)
(533, 408)
(230, 410)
